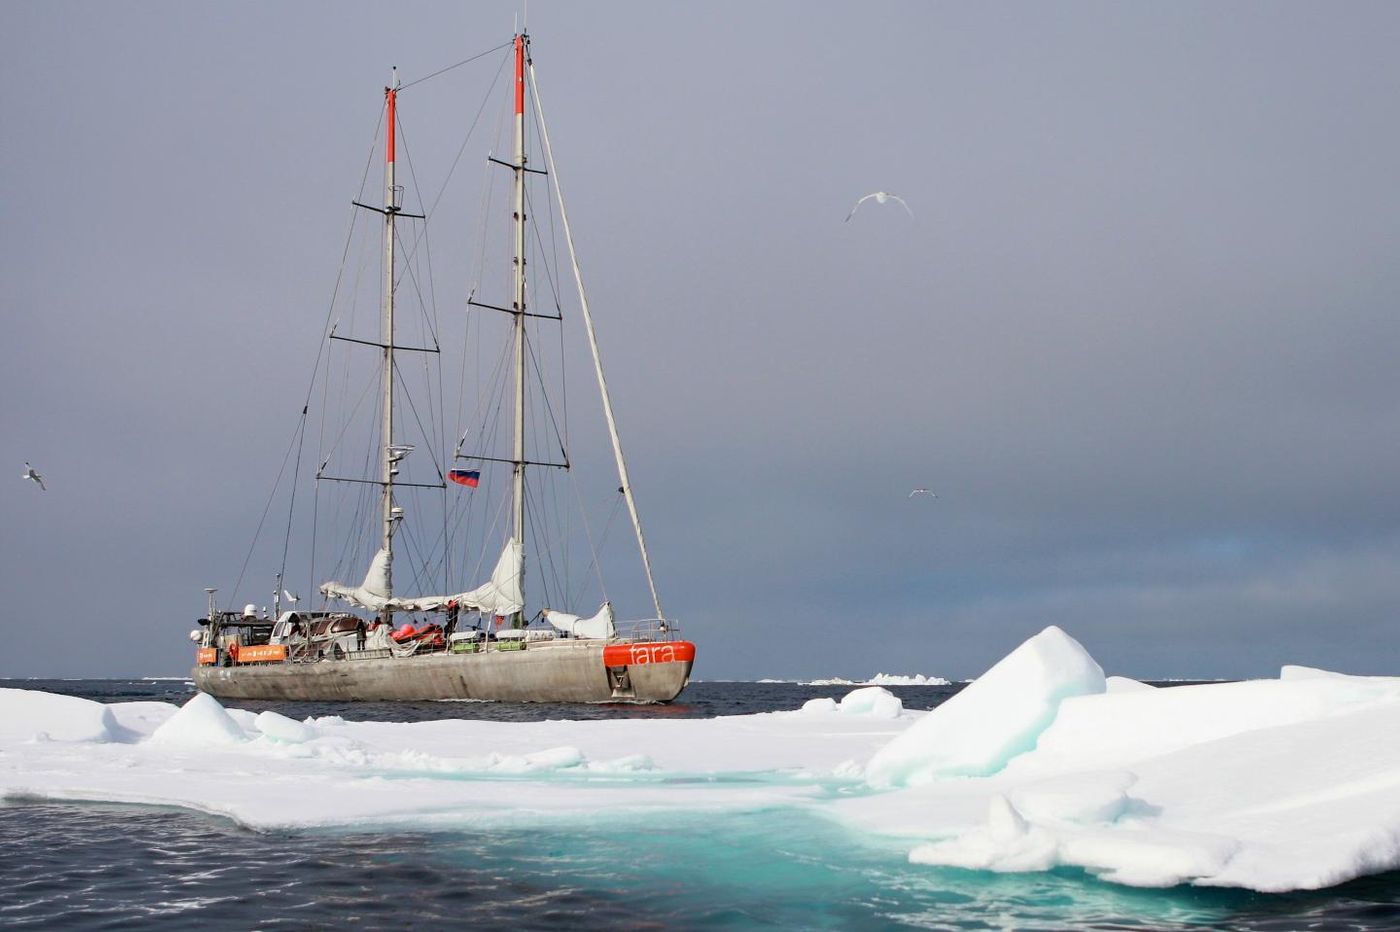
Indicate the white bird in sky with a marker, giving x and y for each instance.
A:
(29, 473)
(290, 597)
(923, 491)
(880, 198)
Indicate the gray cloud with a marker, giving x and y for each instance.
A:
(1139, 335)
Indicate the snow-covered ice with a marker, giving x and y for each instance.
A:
(1042, 762)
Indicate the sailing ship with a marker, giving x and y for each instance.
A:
(480, 643)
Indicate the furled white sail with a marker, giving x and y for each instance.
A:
(372, 593)
(502, 594)
(599, 626)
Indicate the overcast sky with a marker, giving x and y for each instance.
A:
(1140, 336)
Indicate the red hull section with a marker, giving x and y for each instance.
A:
(626, 655)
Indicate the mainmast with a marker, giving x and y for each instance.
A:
(518, 485)
(391, 455)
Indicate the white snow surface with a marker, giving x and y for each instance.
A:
(1272, 785)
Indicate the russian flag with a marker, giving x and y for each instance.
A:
(471, 478)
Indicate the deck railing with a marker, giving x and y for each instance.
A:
(649, 629)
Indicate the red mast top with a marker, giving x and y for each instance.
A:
(390, 96)
(519, 75)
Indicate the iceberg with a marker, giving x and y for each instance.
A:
(995, 718)
(1043, 762)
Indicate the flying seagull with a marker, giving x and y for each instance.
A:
(880, 198)
(290, 597)
(29, 473)
(923, 491)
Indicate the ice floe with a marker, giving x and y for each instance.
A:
(1041, 762)
(882, 679)
(868, 701)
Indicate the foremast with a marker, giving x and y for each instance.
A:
(391, 455)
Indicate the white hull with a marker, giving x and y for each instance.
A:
(559, 671)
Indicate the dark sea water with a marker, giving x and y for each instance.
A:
(700, 700)
(103, 866)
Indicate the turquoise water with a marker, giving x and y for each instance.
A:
(787, 869)
(103, 866)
